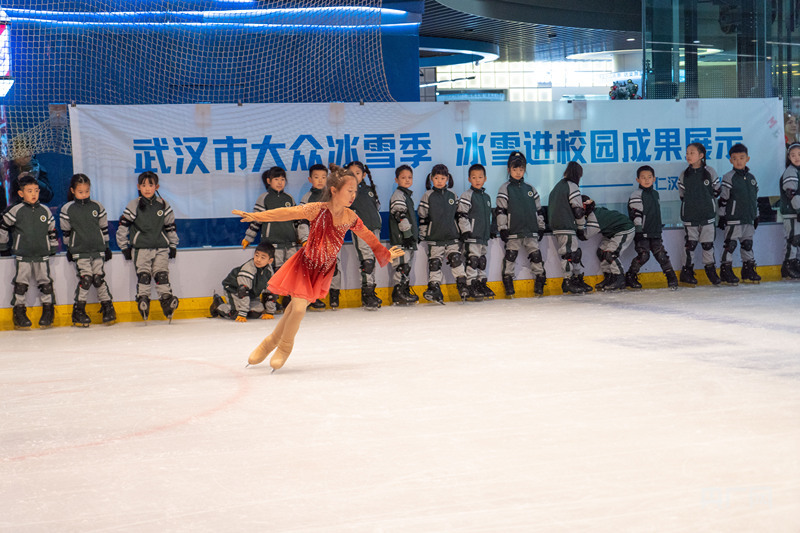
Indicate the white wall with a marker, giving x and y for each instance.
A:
(199, 272)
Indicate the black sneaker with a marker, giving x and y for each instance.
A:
(79, 316)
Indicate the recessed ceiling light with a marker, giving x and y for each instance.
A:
(630, 40)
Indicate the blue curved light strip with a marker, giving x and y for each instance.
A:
(301, 17)
(459, 51)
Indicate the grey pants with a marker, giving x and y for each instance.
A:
(336, 280)
(742, 233)
(243, 306)
(704, 235)
(91, 273)
(152, 264)
(791, 229)
(365, 254)
(402, 267)
(281, 256)
(437, 255)
(615, 245)
(29, 273)
(531, 247)
(475, 260)
(567, 250)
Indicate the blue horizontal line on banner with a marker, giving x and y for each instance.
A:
(583, 186)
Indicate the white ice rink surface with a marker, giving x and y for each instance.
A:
(652, 411)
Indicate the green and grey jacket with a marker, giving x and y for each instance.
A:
(519, 209)
(644, 209)
(790, 200)
(29, 231)
(738, 197)
(252, 277)
(563, 198)
(698, 188)
(475, 215)
(314, 195)
(84, 224)
(608, 222)
(367, 206)
(437, 217)
(147, 223)
(280, 234)
(402, 218)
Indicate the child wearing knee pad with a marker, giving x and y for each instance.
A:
(148, 237)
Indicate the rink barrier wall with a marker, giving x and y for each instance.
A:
(197, 273)
(349, 298)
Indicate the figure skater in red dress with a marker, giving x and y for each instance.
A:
(307, 275)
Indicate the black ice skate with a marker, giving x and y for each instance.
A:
(508, 285)
(368, 298)
(616, 282)
(79, 317)
(333, 298)
(143, 304)
(109, 314)
(788, 270)
(601, 286)
(485, 290)
(317, 305)
(48, 316)
(169, 303)
(672, 279)
(409, 292)
(711, 274)
(476, 291)
(632, 280)
(726, 274)
(20, 318)
(401, 297)
(749, 274)
(687, 275)
(434, 293)
(538, 285)
(463, 290)
(572, 285)
(216, 301)
(586, 286)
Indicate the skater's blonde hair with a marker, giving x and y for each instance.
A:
(336, 179)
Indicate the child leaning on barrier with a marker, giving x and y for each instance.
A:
(644, 209)
(617, 230)
(520, 222)
(738, 217)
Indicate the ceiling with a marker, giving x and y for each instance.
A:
(530, 41)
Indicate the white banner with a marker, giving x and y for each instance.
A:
(210, 157)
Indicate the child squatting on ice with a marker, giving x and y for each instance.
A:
(307, 275)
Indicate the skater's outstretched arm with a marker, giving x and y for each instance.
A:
(281, 214)
(381, 253)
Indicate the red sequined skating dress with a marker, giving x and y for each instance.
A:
(308, 273)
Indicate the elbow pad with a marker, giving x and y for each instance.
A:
(578, 212)
(399, 216)
(634, 213)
